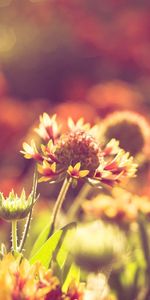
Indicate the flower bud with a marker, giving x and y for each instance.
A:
(14, 207)
(97, 246)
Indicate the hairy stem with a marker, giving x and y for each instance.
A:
(27, 224)
(14, 235)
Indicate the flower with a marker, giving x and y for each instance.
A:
(30, 151)
(129, 128)
(20, 280)
(48, 128)
(15, 207)
(116, 169)
(122, 207)
(78, 154)
(47, 170)
(75, 171)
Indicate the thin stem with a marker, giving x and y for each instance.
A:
(146, 251)
(59, 202)
(78, 201)
(14, 235)
(27, 224)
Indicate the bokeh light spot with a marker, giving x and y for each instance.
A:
(7, 39)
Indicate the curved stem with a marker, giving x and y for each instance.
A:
(58, 204)
(78, 201)
(14, 235)
(27, 224)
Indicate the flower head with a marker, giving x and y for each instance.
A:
(129, 128)
(78, 154)
(78, 146)
(15, 207)
(75, 171)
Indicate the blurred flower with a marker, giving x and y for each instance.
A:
(129, 128)
(93, 251)
(97, 288)
(79, 149)
(75, 110)
(121, 207)
(113, 95)
(15, 207)
(20, 280)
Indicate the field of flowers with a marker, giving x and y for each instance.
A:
(74, 150)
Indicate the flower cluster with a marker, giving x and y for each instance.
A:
(122, 207)
(20, 280)
(77, 153)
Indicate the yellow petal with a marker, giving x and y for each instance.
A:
(80, 122)
(33, 146)
(83, 173)
(46, 164)
(77, 166)
(40, 169)
(43, 148)
(53, 167)
(27, 148)
(70, 169)
(46, 120)
(71, 124)
(43, 179)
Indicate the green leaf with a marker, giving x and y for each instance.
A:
(62, 253)
(45, 253)
(73, 274)
(41, 239)
(51, 247)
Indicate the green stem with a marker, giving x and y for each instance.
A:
(146, 251)
(78, 201)
(14, 235)
(58, 204)
(27, 224)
